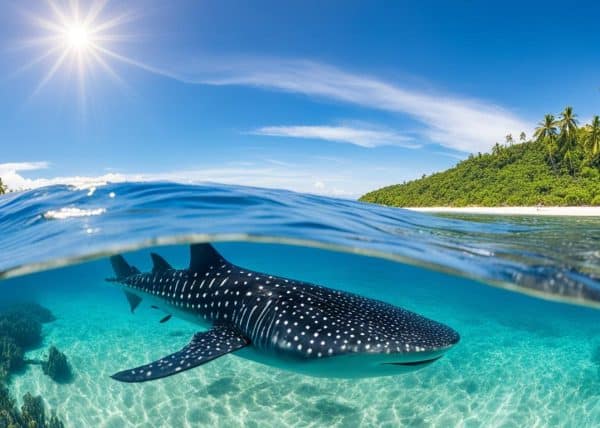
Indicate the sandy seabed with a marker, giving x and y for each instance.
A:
(503, 374)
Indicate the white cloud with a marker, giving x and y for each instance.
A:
(281, 177)
(456, 122)
(340, 134)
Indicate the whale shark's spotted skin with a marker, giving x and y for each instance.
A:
(288, 319)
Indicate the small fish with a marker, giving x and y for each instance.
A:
(165, 319)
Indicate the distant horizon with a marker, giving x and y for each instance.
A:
(336, 99)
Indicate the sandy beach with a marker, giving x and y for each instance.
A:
(526, 211)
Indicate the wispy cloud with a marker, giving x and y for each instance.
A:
(340, 134)
(22, 166)
(456, 122)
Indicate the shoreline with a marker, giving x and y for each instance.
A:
(524, 211)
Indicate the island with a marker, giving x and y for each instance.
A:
(559, 166)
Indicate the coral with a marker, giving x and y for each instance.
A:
(9, 417)
(33, 311)
(11, 355)
(3, 376)
(32, 415)
(57, 366)
(21, 326)
(23, 322)
(32, 411)
(25, 331)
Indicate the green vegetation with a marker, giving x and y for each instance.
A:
(559, 166)
(3, 187)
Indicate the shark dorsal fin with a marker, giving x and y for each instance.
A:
(203, 256)
(159, 264)
(122, 268)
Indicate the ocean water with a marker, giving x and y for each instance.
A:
(522, 292)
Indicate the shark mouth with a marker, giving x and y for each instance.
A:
(415, 363)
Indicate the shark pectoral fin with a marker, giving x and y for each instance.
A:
(134, 301)
(203, 347)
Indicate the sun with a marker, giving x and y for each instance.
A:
(78, 39)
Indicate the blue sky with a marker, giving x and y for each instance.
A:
(324, 97)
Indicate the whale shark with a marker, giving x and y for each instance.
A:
(281, 322)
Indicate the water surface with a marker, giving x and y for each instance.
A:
(526, 357)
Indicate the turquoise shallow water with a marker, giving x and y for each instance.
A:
(522, 360)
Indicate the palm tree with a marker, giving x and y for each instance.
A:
(545, 134)
(568, 135)
(522, 136)
(2, 187)
(496, 149)
(592, 139)
(509, 139)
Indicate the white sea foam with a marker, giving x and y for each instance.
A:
(71, 212)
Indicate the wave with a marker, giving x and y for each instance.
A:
(551, 258)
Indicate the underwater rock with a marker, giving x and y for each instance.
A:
(57, 366)
(596, 355)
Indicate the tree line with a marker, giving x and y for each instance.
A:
(560, 165)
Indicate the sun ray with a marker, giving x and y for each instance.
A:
(108, 68)
(136, 63)
(50, 74)
(94, 12)
(58, 13)
(112, 23)
(37, 60)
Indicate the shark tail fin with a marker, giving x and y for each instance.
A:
(203, 256)
(122, 268)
